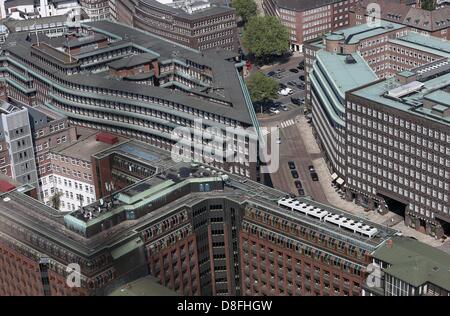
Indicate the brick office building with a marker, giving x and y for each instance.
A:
(71, 171)
(308, 20)
(434, 23)
(399, 137)
(208, 28)
(191, 227)
(344, 61)
(181, 87)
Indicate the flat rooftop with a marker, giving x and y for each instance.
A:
(344, 75)
(146, 286)
(86, 146)
(433, 43)
(410, 103)
(415, 263)
(355, 34)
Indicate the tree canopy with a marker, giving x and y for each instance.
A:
(429, 5)
(262, 88)
(246, 9)
(265, 36)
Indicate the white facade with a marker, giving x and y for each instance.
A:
(74, 193)
(41, 10)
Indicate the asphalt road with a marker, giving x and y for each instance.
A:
(293, 149)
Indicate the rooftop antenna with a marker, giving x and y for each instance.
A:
(67, 43)
(37, 36)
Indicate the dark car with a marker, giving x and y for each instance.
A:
(282, 86)
(302, 78)
(292, 83)
(296, 101)
(301, 192)
(300, 67)
(291, 165)
(271, 73)
(298, 184)
(300, 86)
(294, 174)
(294, 70)
(311, 168)
(314, 176)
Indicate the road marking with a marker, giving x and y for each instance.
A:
(287, 123)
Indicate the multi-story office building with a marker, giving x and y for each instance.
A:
(335, 65)
(408, 13)
(308, 20)
(181, 87)
(46, 128)
(56, 25)
(18, 159)
(71, 170)
(195, 229)
(208, 28)
(372, 155)
(425, 273)
(398, 144)
(50, 129)
(98, 9)
(23, 10)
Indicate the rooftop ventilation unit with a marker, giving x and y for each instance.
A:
(405, 89)
(341, 221)
(350, 59)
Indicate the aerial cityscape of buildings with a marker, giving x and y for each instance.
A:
(134, 155)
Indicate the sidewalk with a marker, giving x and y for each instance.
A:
(333, 197)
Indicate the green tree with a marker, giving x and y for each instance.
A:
(265, 36)
(429, 5)
(246, 9)
(262, 88)
(55, 200)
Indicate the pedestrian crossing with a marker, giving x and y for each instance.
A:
(287, 123)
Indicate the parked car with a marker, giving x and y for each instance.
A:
(300, 67)
(278, 140)
(302, 77)
(271, 74)
(294, 70)
(282, 86)
(292, 83)
(298, 184)
(311, 168)
(314, 176)
(296, 101)
(294, 174)
(284, 107)
(291, 165)
(301, 192)
(286, 91)
(274, 111)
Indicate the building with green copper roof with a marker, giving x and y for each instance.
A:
(411, 268)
